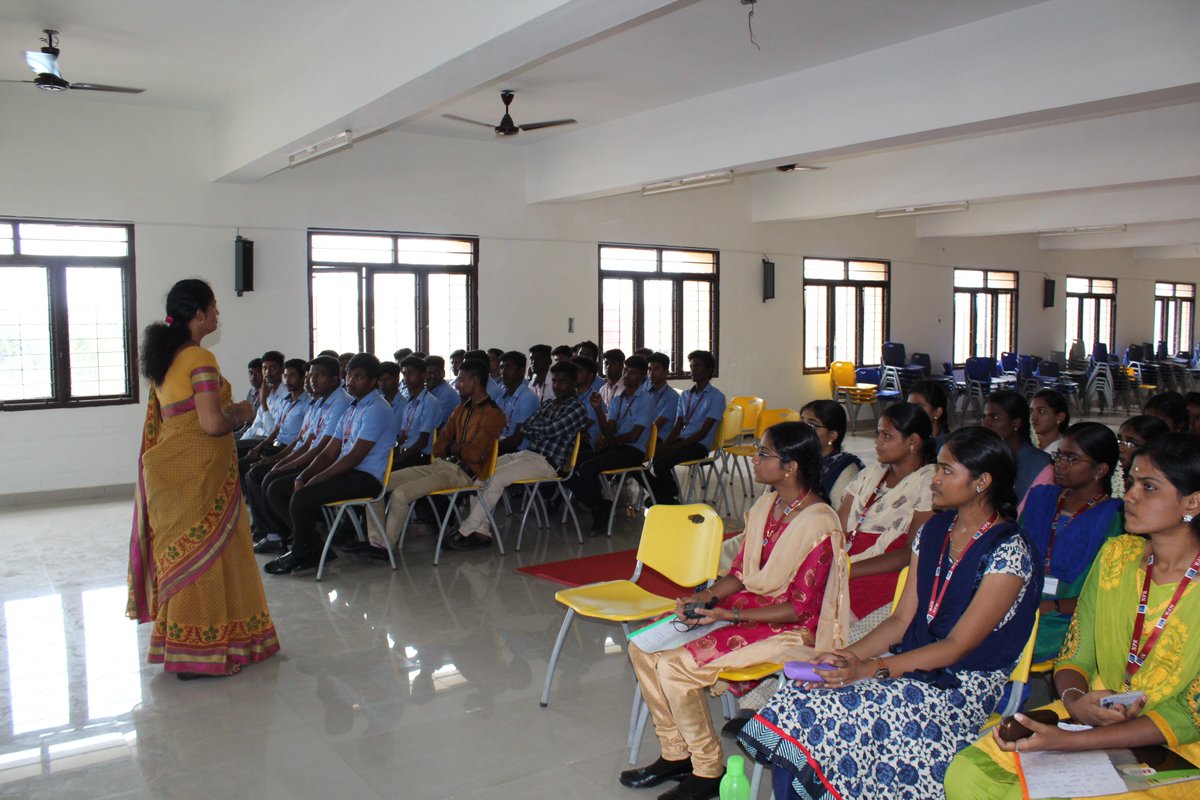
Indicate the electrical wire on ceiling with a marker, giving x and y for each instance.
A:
(750, 21)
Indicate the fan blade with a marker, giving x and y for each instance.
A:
(533, 126)
(472, 121)
(41, 62)
(100, 87)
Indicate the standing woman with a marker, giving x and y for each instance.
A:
(1133, 631)
(1007, 415)
(785, 596)
(191, 564)
(838, 468)
(887, 727)
(1049, 416)
(1068, 521)
(883, 509)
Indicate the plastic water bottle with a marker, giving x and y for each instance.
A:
(735, 785)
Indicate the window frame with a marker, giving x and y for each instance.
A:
(830, 311)
(1161, 333)
(56, 283)
(678, 358)
(1082, 297)
(993, 293)
(366, 286)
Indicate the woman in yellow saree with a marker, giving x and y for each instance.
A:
(191, 563)
(1133, 631)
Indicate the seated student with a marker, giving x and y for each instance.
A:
(435, 382)
(254, 370)
(415, 430)
(624, 432)
(697, 423)
(494, 387)
(539, 372)
(343, 363)
(253, 477)
(1133, 433)
(887, 727)
(1192, 399)
(585, 375)
(463, 451)
(785, 595)
(517, 401)
(494, 354)
(1006, 413)
(614, 369)
(289, 416)
(1138, 589)
(270, 483)
(331, 353)
(588, 349)
(270, 395)
(666, 398)
(1049, 417)
(1171, 408)
(562, 353)
(401, 354)
(931, 397)
(456, 359)
(645, 352)
(389, 387)
(884, 507)
(349, 466)
(549, 435)
(838, 468)
(1068, 521)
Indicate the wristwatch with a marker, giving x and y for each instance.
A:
(882, 673)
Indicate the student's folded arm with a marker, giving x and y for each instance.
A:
(700, 434)
(632, 436)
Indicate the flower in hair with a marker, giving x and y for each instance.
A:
(170, 320)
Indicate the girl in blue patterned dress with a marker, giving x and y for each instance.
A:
(887, 727)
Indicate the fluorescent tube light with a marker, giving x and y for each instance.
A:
(335, 142)
(1083, 229)
(912, 211)
(694, 182)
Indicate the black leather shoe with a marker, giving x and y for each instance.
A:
(269, 545)
(693, 787)
(288, 564)
(658, 772)
(376, 553)
(474, 541)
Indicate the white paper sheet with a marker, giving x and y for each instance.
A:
(662, 635)
(1087, 774)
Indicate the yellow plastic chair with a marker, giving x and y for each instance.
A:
(727, 433)
(621, 474)
(335, 511)
(683, 543)
(846, 389)
(533, 497)
(481, 482)
(751, 407)
(739, 452)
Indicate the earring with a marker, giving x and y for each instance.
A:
(978, 490)
(1187, 519)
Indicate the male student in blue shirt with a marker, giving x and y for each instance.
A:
(624, 431)
(517, 401)
(348, 467)
(270, 395)
(435, 381)
(494, 387)
(665, 397)
(254, 371)
(269, 484)
(585, 386)
(696, 425)
(289, 416)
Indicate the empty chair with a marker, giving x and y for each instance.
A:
(847, 390)
(751, 406)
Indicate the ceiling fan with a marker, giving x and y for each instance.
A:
(507, 127)
(44, 64)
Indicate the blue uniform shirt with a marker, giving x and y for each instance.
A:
(598, 382)
(666, 406)
(593, 423)
(630, 411)
(291, 418)
(496, 389)
(399, 403)
(420, 416)
(696, 407)
(369, 419)
(329, 422)
(447, 399)
(517, 406)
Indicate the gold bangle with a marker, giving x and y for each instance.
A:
(737, 616)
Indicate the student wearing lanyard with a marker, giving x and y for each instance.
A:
(435, 382)
(517, 401)
(270, 483)
(585, 388)
(665, 398)
(614, 371)
(1068, 521)
(539, 372)
(624, 432)
(288, 417)
(253, 478)
(254, 372)
(270, 394)
(389, 387)
(349, 466)
(696, 425)
(887, 727)
(414, 442)
(1133, 631)
(462, 451)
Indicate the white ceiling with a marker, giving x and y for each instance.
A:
(1042, 114)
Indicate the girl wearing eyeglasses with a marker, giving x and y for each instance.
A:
(1133, 434)
(1068, 521)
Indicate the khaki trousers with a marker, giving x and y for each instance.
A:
(674, 689)
(519, 466)
(407, 486)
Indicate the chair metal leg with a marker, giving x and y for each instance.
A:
(558, 643)
(337, 518)
(445, 523)
(612, 506)
(637, 734)
(495, 528)
(755, 780)
(404, 529)
(567, 503)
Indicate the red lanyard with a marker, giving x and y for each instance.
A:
(936, 597)
(626, 407)
(1137, 656)
(690, 408)
(350, 413)
(1054, 523)
(774, 526)
(862, 515)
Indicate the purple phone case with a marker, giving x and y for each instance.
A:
(803, 671)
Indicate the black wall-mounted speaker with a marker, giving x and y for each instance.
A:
(768, 272)
(243, 265)
(1048, 293)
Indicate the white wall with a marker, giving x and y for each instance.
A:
(69, 157)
